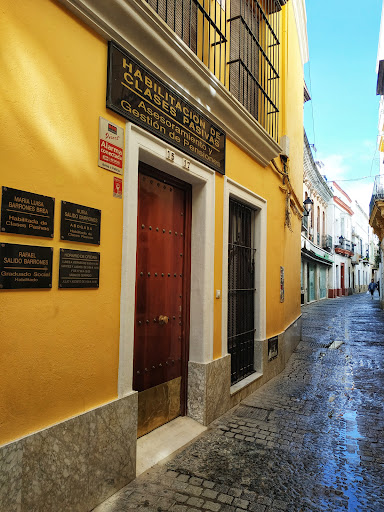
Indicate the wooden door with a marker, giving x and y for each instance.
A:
(342, 279)
(162, 298)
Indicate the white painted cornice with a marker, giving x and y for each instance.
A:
(136, 27)
(301, 24)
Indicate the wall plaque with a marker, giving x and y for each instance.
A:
(25, 266)
(273, 348)
(80, 223)
(26, 213)
(111, 146)
(79, 269)
(140, 96)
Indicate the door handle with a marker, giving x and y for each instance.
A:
(163, 319)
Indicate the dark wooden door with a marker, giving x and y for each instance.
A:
(162, 298)
(342, 275)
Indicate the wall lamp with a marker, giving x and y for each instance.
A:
(307, 206)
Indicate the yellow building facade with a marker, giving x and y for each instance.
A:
(139, 165)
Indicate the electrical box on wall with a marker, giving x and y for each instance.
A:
(284, 143)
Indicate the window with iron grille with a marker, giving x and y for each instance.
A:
(251, 70)
(202, 25)
(254, 59)
(241, 291)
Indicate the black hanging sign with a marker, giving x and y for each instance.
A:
(140, 96)
(80, 223)
(25, 266)
(26, 213)
(79, 269)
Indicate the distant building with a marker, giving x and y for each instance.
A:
(340, 228)
(316, 243)
(364, 246)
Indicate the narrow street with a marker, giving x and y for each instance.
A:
(310, 440)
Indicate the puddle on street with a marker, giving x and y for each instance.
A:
(342, 471)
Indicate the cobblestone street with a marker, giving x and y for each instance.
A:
(310, 440)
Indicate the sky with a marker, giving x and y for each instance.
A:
(341, 120)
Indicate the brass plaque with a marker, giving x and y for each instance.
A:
(158, 405)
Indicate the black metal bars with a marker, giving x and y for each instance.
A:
(249, 32)
(241, 291)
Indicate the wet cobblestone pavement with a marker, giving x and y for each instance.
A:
(309, 440)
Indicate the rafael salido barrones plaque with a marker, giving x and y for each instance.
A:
(79, 269)
(25, 266)
(26, 213)
(80, 223)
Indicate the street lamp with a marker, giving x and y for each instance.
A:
(307, 206)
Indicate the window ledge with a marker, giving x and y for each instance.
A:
(155, 44)
(245, 382)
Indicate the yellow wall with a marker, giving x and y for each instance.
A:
(292, 105)
(283, 244)
(59, 348)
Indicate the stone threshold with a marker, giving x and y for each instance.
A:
(165, 440)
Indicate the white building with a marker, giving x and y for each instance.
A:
(363, 260)
(316, 244)
(340, 228)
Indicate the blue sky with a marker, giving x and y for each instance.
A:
(341, 77)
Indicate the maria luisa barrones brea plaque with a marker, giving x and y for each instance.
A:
(80, 223)
(26, 213)
(79, 269)
(25, 266)
(141, 97)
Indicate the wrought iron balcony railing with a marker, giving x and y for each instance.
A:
(378, 192)
(327, 242)
(304, 223)
(343, 244)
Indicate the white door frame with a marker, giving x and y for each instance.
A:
(143, 146)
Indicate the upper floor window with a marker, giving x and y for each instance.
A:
(254, 58)
(238, 40)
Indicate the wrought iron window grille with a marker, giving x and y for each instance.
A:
(241, 291)
(249, 31)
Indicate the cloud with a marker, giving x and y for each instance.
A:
(360, 191)
(334, 167)
(337, 168)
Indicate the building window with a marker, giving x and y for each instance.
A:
(251, 71)
(202, 25)
(241, 291)
(254, 58)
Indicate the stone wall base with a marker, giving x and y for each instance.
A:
(209, 384)
(74, 465)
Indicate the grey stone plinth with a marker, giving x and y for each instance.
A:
(208, 389)
(73, 465)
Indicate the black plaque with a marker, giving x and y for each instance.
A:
(80, 223)
(138, 95)
(26, 213)
(79, 269)
(273, 348)
(25, 266)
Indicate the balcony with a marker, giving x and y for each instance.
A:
(304, 223)
(327, 243)
(376, 208)
(344, 247)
